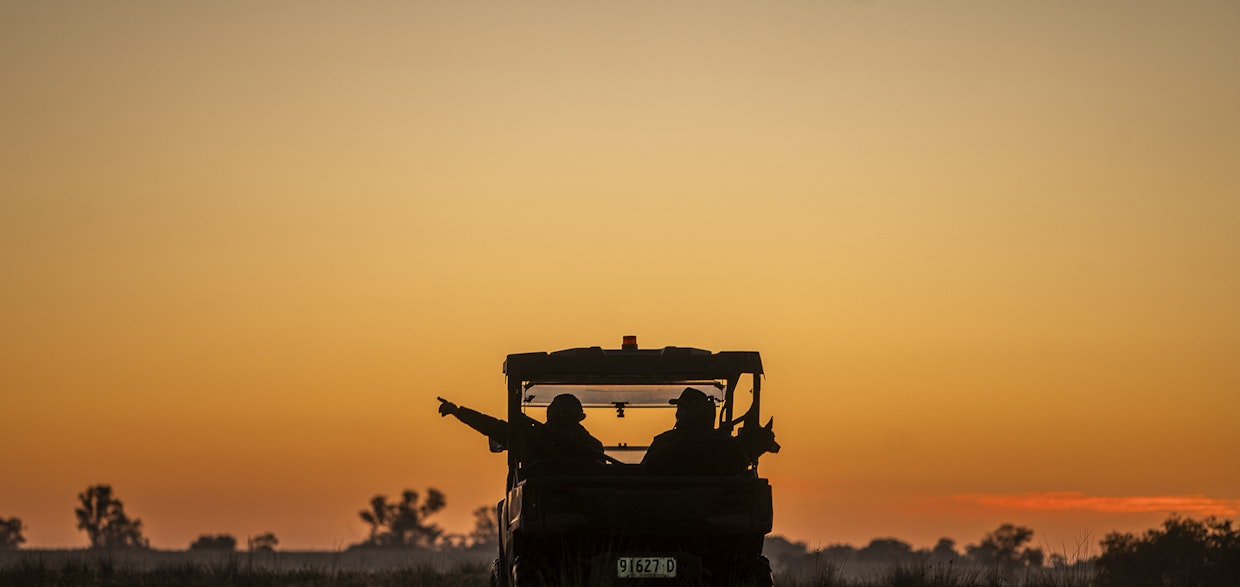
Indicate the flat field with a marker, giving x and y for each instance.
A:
(369, 567)
(423, 568)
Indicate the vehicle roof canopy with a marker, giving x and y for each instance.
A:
(595, 364)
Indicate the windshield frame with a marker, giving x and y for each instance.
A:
(596, 367)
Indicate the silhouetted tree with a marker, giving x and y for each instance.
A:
(486, 527)
(839, 552)
(103, 518)
(454, 541)
(265, 542)
(785, 553)
(379, 517)
(1003, 547)
(944, 551)
(11, 537)
(403, 523)
(409, 527)
(886, 550)
(1182, 552)
(216, 542)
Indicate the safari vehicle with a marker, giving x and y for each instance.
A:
(615, 522)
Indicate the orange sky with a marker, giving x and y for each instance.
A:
(988, 250)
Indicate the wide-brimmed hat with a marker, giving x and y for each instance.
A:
(692, 396)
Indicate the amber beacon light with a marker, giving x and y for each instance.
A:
(630, 343)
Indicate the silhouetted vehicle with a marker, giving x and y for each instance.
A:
(612, 521)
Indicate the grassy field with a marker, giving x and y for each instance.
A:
(380, 568)
(934, 575)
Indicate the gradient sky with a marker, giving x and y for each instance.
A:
(990, 251)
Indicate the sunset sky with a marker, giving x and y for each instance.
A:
(989, 251)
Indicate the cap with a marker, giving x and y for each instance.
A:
(568, 405)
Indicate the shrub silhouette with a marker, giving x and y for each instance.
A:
(11, 537)
(265, 542)
(224, 542)
(103, 518)
(1183, 552)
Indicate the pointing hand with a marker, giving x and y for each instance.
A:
(446, 407)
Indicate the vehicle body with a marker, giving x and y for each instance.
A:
(614, 522)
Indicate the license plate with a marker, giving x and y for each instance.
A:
(640, 567)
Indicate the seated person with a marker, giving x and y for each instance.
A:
(561, 438)
(693, 447)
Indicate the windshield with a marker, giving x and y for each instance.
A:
(600, 395)
(625, 417)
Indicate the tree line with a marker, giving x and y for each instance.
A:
(1008, 546)
(399, 523)
(1182, 551)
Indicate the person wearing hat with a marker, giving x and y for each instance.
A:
(693, 446)
(561, 437)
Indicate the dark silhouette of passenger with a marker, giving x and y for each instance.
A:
(694, 446)
(561, 438)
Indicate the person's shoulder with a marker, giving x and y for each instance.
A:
(585, 436)
(665, 437)
(593, 439)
